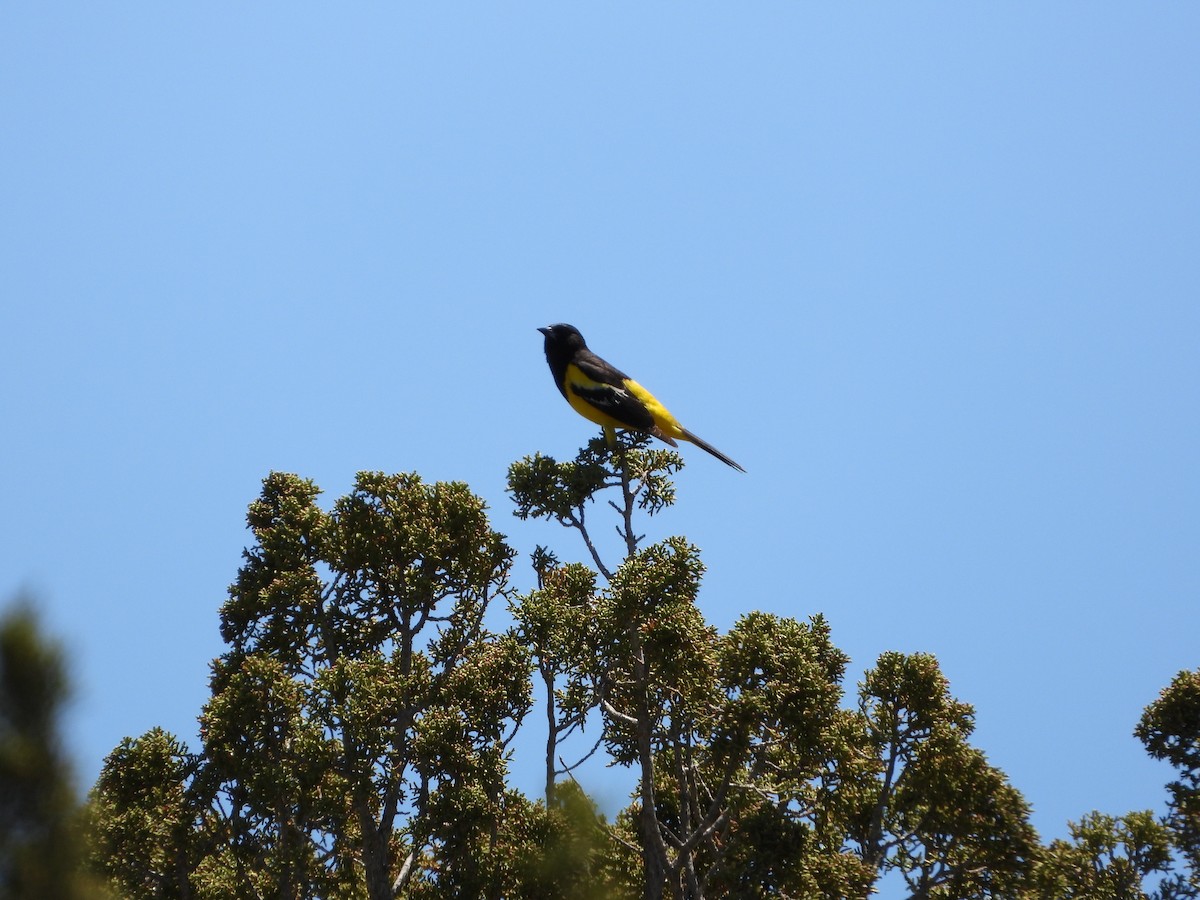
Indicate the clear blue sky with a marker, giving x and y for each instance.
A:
(931, 272)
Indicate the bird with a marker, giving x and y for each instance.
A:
(602, 393)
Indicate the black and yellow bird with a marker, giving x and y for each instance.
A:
(607, 396)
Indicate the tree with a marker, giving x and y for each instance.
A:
(555, 621)
(1138, 856)
(149, 830)
(41, 851)
(752, 779)
(1108, 858)
(935, 810)
(1170, 731)
(361, 714)
(357, 738)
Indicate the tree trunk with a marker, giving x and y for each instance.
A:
(551, 734)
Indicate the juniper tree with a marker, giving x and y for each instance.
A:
(753, 778)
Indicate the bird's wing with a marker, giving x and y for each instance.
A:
(603, 387)
(597, 369)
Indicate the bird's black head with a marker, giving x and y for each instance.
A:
(562, 333)
(562, 341)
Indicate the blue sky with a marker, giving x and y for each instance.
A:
(929, 272)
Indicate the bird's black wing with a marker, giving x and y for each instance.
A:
(598, 369)
(608, 393)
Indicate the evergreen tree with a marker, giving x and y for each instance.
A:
(41, 851)
(753, 780)
(1170, 730)
(357, 739)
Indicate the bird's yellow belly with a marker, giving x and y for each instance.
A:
(665, 423)
(590, 412)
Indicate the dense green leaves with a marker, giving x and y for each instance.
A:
(1170, 729)
(40, 846)
(542, 488)
(358, 736)
(361, 696)
(148, 829)
(936, 811)
(1109, 858)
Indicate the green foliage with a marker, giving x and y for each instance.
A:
(657, 655)
(515, 849)
(1170, 730)
(754, 780)
(543, 488)
(357, 738)
(780, 684)
(935, 810)
(144, 817)
(41, 852)
(1170, 727)
(555, 623)
(556, 619)
(572, 848)
(779, 727)
(1108, 858)
(361, 699)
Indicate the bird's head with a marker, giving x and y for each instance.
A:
(562, 339)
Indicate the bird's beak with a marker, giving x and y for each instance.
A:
(545, 331)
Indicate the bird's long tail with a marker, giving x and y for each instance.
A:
(705, 445)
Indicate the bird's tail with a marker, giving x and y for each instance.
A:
(705, 445)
